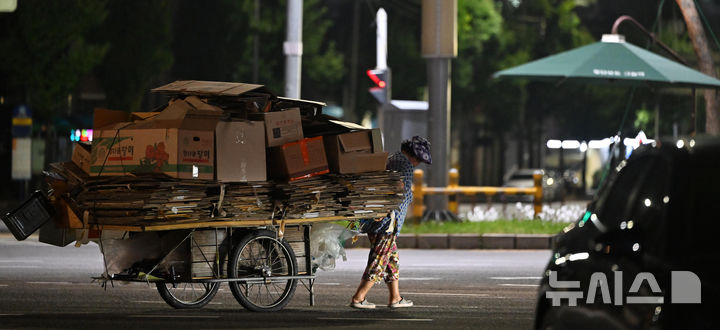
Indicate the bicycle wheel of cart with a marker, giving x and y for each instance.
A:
(187, 295)
(259, 257)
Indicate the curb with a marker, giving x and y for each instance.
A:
(465, 241)
(449, 241)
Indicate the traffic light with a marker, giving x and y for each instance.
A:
(381, 90)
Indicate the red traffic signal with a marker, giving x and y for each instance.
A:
(378, 77)
(381, 90)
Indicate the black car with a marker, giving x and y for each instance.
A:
(645, 255)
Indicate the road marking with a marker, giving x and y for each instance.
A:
(162, 302)
(12, 314)
(522, 285)
(516, 278)
(3, 284)
(19, 266)
(327, 283)
(59, 283)
(419, 278)
(447, 294)
(177, 316)
(371, 319)
(22, 261)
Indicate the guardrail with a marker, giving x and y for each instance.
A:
(454, 189)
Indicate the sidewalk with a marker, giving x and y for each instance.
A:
(465, 241)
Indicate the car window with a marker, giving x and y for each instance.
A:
(616, 205)
(637, 202)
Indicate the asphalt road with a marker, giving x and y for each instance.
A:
(42, 286)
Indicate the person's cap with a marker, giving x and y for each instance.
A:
(421, 148)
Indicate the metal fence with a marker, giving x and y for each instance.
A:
(454, 190)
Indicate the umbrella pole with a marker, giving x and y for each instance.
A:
(692, 113)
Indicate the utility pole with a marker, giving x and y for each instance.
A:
(439, 46)
(293, 49)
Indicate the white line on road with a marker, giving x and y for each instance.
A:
(177, 316)
(3, 285)
(59, 283)
(162, 302)
(447, 294)
(21, 261)
(419, 278)
(371, 319)
(327, 283)
(11, 314)
(522, 285)
(516, 278)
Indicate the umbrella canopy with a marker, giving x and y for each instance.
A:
(611, 61)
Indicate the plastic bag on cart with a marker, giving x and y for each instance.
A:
(326, 244)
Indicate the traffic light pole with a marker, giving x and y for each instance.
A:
(293, 49)
(439, 46)
(438, 70)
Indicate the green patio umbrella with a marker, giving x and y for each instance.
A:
(611, 61)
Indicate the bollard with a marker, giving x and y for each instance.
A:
(418, 198)
(453, 182)
(537, 201)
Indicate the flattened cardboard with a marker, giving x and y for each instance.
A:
(240, 147)
(81, 155)
(354, 152)
(210, 88)
(297, 159)
(142, 115)
(103, 118)
(182, 114)
(281, 126)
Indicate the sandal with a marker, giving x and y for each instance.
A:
(362, 305)
(402, 303)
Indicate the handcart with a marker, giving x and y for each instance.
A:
(262, 261)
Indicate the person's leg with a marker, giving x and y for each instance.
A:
(394, 292)
(392, 274)
(373, 270)
(362, 290)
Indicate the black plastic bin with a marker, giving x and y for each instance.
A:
(29, 216)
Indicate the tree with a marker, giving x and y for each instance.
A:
(46, 50)
(139, 37)
(699, 41)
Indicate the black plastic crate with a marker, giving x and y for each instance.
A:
(29, 216)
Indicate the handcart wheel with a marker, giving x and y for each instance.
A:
(187, 295)
(259, 257)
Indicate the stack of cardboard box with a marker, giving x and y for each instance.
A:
(228, 150)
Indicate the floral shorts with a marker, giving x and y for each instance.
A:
(383, 259)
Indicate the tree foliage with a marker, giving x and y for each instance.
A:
(46, 50)
(139, 36)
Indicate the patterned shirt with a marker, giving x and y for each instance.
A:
(400, 163)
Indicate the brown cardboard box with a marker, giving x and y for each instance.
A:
(355, 152)
(281, 126)
(240, 147)
(298, 159)
(179, 142)
(81, 155)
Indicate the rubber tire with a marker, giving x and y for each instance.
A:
(171, 300)
(236, 288)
